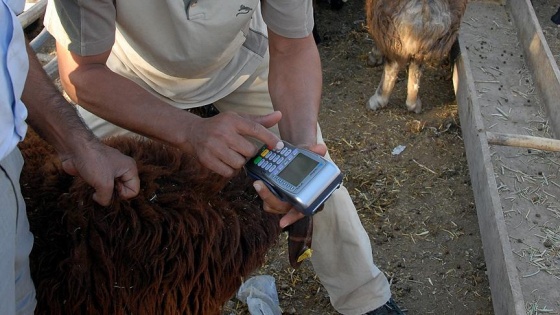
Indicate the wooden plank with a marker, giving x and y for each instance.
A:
(523, 141)
(507, 297)
(51, 68)
(38, 42)
(539, 57)
(29, 16)
(33, 14)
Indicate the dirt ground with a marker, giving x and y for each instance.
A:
(417, 206)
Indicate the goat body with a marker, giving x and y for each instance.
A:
(410, 32)
(182, 246)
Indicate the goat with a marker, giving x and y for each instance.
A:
(412, 32)
(182, 246)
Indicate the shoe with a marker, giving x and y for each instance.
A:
(389, 308)
(556, 17)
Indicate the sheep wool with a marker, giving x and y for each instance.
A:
(182, 246)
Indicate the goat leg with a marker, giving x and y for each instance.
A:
(413, 102)
(381, 97)
(375, 57)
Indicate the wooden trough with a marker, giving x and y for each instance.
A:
(507, 85)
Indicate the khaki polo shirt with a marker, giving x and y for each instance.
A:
(188, 52)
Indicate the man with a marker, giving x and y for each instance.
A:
(23, 81)
(136, 65)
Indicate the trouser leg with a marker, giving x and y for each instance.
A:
(17, 293)
(342, 258)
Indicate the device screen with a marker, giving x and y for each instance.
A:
(298, 169)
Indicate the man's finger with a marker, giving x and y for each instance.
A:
(103, 196)
(129, 184)
(266, 120)
(258, 129)
(272, 203)
(319, 148)
(292, 216)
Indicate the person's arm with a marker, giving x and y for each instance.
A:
(220, 143)
(81, 153)
(295, 83)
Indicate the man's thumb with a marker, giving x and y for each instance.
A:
(268, 120)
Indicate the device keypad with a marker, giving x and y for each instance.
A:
(274, 161)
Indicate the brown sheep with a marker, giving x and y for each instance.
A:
(182, 246)
(410, 32)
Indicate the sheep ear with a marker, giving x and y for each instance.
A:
(299, 241)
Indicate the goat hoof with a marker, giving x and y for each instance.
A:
(374, 60)
(376, 102)
(415, 107)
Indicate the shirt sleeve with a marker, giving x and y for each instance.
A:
(289, 18)
(83, 27)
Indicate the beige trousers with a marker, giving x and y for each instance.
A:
(342, 254)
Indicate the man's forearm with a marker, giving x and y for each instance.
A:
(295, 83)
(80, 152)
(49, 113)
(122, 102)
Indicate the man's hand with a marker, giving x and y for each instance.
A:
(222, 142)
(274, 205)
(81, 154)
(102, 167)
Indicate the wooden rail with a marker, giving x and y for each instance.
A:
(522, 141)
(31, 15)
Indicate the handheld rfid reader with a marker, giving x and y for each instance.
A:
(295, 175)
